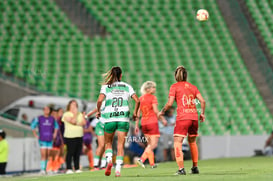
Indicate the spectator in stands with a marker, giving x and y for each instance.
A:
(4, 150)
(48, 128)
(73, 135)
(268, 149)
(167, 134)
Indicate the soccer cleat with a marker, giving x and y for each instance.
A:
(194, 170)
(108, 169)
(154, 166)
(117, 174)
(181, 172)
(139, 162)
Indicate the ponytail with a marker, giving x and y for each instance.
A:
(112, 75)
(180, 74)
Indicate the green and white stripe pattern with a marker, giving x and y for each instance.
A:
(117, 98)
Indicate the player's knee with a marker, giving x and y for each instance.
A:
(99, 148)
(153, 146)
(191, 139)
(177, 144)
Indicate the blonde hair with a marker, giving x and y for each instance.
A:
(147, 85)
(181, 74)
(112, 75)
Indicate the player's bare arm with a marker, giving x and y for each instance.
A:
(71, 120)
(167, 106)
(91, 112)
(137, 104)
(99, 103)
(161, 117)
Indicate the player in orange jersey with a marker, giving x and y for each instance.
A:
(185, 95)
(149, 121)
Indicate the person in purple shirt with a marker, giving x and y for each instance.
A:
(87, 140)
(47, 128)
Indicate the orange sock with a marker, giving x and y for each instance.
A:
(56, 164)
(179, 154)
(194, 153)
(144, 156)
(151, 158)
(61, 160)
(90, 158)
(49, 164)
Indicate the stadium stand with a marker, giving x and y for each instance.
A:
(261, 12)
(149, 40)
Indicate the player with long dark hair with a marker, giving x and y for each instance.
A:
(116, 114)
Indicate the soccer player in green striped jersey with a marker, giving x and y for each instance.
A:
(116, 114)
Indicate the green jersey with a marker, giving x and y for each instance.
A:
(117, 98)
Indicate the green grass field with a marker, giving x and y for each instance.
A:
(254, 168)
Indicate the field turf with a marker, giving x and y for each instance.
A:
(247, 169)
